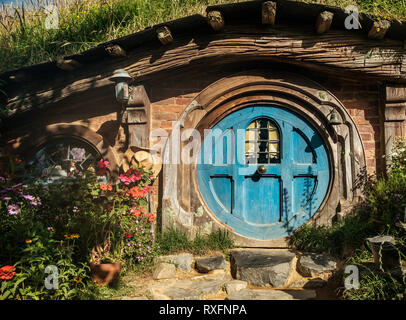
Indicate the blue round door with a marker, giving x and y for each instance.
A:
(264, 171)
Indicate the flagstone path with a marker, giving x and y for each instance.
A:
(251, 274)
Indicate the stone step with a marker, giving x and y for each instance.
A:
(261, 267)
(267, 294)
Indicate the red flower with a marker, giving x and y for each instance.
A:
(136, 192)
(135, 212)
(7, 272)
(106, 187)
(128, 235)
(103, 164)
(102, 172)
(151, 217)
(109, 208)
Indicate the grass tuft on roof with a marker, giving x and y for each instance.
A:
(27, 36)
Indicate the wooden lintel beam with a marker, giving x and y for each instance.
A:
(164, 35)
(269, 12)
(216, 20)
(395, 93)
(115, 51)
(323, 22)
(379, 29)
(67, 64)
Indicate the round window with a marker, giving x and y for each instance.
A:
(63, 158)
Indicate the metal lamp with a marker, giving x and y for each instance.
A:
(121, 78)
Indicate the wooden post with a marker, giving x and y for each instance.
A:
(269, 12)
(379, 29)
(68, 64)
(216, 20)
(115, 51)
(323, 22)
(395, 109)
(137, 117)
(164, 35)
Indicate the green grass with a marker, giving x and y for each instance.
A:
(339, 239)
(374, 284)
(173, 241)
(84, 24)
(390, 9)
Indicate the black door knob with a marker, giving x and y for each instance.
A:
(261, 169)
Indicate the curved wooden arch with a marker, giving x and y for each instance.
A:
(30, 146)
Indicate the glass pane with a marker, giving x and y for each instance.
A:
(262, 142)
(62, 158)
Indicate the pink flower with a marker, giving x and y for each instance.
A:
(13, 209)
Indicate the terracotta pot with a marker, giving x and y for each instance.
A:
(105, 273)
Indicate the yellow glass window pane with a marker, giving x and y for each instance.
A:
(273, 135)
(250, 135)
(274, 147)
(249, 147)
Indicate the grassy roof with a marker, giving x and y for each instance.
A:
(83, 24)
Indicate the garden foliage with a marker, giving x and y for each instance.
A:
(68, 224)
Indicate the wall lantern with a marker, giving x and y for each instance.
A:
(334, 119)
(121, 78)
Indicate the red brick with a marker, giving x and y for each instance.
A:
(169, 101)
(171, 116)
(371, 162)
(183, 101)
(168, 108)
(366, 136)
(369, 145)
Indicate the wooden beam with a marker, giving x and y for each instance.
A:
(323, 22)
(216, 20)
(379, 29)
(67, 64)
(164, 35)
(269, 12)
(396, 93)
(338, 52)
(115, 51)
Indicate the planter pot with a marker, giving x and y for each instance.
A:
(105, 273)
(386, 255)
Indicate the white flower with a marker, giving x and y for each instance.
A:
(78, 154)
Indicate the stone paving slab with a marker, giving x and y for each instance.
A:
(313, 264)
(262, 267)
(182, 261)
(264, 294)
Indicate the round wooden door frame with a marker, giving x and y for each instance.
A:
(295, 92)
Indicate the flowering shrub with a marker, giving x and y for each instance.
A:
(62, 223)
(128, 198)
